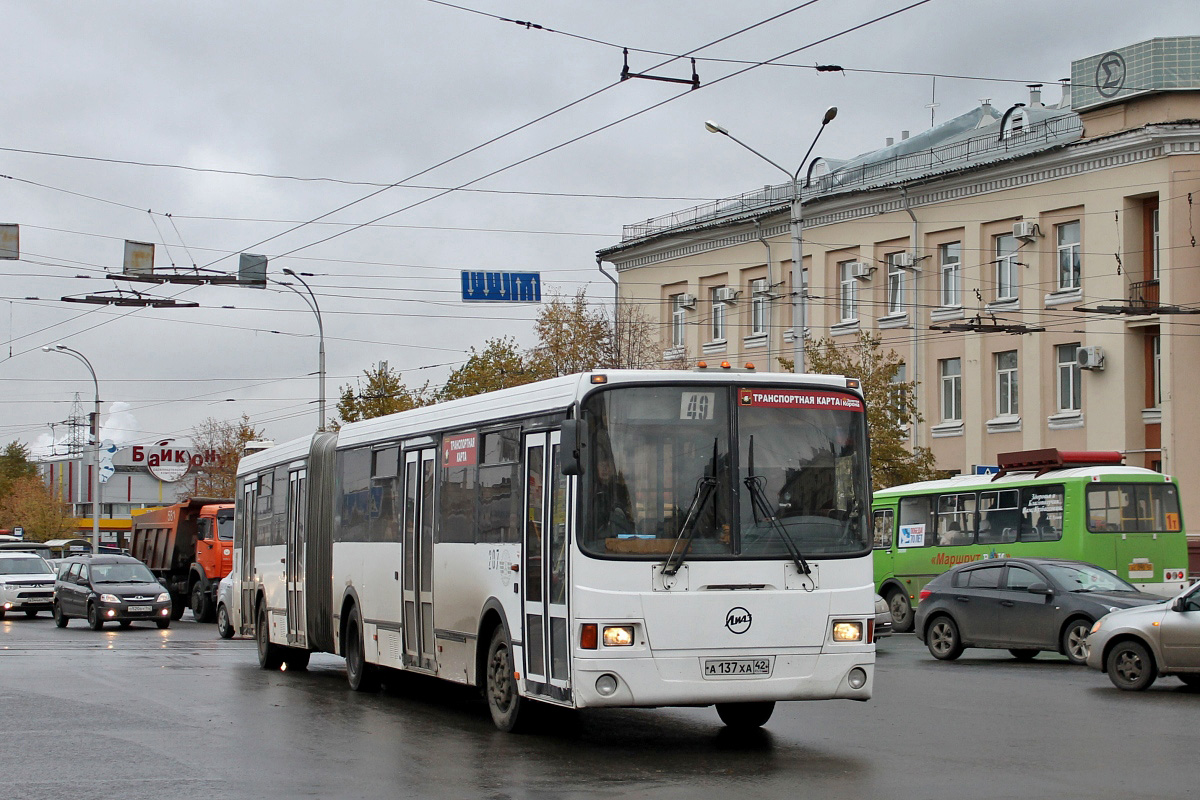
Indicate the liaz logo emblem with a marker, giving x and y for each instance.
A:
(738, 620)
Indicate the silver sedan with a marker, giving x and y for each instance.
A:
(1136, 645)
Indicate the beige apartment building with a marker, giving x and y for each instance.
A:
(1033, 264)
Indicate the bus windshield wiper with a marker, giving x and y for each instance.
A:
(762, 507)
(706, 488)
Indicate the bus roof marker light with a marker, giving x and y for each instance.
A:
(598, 379)
(749, 365)
(726, 365)
(852, 383)
(701, 365)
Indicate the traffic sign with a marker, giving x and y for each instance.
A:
(502, 287)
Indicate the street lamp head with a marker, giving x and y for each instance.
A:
(51, 348)
(830, 113)
(713, 127)
(288, 271)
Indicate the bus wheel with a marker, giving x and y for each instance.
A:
(902, 611)
(943, 639)
(1130, 666)
(363, 677)
(1074, 640)
(509, 711)
(745, 716)
(269, 656)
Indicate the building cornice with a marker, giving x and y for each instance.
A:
(1112, 151)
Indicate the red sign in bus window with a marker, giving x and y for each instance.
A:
(460, 450)
(793, 398)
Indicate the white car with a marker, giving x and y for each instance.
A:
(225, 607)
(26, 583)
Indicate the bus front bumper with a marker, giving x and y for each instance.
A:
(679, 680)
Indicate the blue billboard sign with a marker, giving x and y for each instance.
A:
(502, 287)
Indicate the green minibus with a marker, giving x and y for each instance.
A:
(1046, 503)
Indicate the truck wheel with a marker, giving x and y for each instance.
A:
(201, 604)
(269, 655)
(178, 604)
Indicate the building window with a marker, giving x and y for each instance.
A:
(950, 370)
(951, 261)
(1068, 256)
(848, 290)
(1154, 242)
(895, 285)
(1070, 397)
(1006, 384)
(718, 316)
(678, 320)
(1006, 267)
(758, 306)
(1156, 369)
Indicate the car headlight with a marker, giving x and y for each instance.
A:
(847, 631)
(163, 598)
(109, 598)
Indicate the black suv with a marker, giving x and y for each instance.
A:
(104, 588)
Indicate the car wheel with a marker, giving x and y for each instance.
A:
(162, 624)
(125, 623)
(943, 639)
(361, 676)
(201, 604)
(1192, 680)
(224, 626)
(745, 716)
(1074, 640)
(178, 606)
(95, 621)
(1130, 666)
(2, 612)
(295, 659)
(269, 655)
(60, 619)
(31, 613)
(1022, 654)
(510, 712)
(902, 611)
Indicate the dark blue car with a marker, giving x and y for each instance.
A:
(1023, 605)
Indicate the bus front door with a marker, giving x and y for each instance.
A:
(245, 569)
(547, 537)
(297, 634)
(417, 583)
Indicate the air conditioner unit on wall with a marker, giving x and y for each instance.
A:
(1090, 358)
(1026, 230)
(904, 260)
(725, 294)
(687, 301)
(862, 270)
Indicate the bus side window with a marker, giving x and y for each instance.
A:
(999, 516)
(916, 522)
(884, 522)
(1041, 513)
(956, 519)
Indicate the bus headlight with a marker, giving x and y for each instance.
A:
(606, 685)
(618, 635)
(857, 678)
(847, 631)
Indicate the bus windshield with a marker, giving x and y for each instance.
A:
(656, 453)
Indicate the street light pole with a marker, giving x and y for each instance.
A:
(316, 309)
(799, 291)
(62, 348)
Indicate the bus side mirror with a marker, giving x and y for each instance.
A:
(1040, 588)
(569, 445)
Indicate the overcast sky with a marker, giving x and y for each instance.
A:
(129, 120)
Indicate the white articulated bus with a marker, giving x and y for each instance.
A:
(616, 538)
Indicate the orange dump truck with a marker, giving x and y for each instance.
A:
(189, 547)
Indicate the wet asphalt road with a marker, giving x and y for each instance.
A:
(143, 713)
